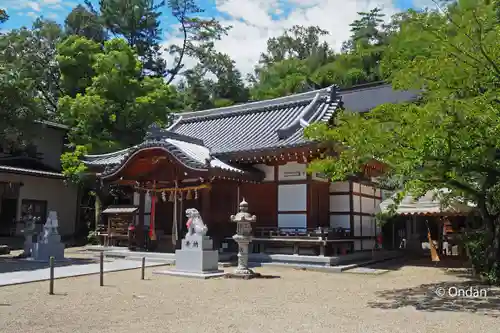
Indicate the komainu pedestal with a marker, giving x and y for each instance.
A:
(49, 241)
(196, 258)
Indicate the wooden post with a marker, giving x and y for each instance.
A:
(101, 269)
(143, 267)
(51, 280)
(139, 231)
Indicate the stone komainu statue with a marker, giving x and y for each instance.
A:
(195, 223)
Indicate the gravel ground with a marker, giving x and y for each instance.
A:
(401, 300)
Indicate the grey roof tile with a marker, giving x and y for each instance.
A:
(123, 209)
(259, 125)
(192, 154)
(33, 172)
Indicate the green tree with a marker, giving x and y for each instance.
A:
(20, 106)
(297, 42)
(138, 22)
(298, 60)
(32, 53)
(196, 89)
(3, 16)
(119, 105)
(83, 22)
(76, 57)
(451, 137)
(198, 35)
(282, 78)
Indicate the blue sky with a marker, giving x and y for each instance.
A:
(253, 21)
(23, 12)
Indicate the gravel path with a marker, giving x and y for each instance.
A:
(299, 301)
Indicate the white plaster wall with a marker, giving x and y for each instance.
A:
(339, 187)
(292, 197)
(292, 171)
(60, 197)
(360, 188)
(368, 227)
(357, 225)
(357, 245)
(365, 205)
(340, 221)
(368, 244)
(292, 220)
(50, 142)
(268, 171)
(340, 203)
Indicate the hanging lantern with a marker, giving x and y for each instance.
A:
(188, 195)
(171, 196)
(195, 194)
(180, 196)
(163, 196)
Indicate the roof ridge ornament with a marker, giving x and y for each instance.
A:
(300, 121)
(333, 91)
(155, 133)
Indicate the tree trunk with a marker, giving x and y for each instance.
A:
(492, 244)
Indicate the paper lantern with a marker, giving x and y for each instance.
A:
(171, 197)
(188, 195)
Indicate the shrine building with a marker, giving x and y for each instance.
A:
(212, 159)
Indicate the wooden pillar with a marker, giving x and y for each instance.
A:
(140, 226)
(205, 197)
(205, 206)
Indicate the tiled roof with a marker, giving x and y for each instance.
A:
(265, 124)
(365, 98)
(30, 172)
(279, 122)
(196, 137)
(120, 209)
(188, 151)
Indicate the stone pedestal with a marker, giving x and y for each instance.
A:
(49, 242)
(196, 259)
(47, 247)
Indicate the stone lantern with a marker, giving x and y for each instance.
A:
(243, 237)
(29, 231)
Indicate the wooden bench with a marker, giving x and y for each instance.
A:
(327, 240)
(297, 243)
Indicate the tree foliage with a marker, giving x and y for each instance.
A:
(299, 60)
(449, 139)
(28, 81)
(118, 106)
(83, 22)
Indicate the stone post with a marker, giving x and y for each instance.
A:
(243, 237)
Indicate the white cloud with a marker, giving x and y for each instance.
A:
(253, 23)
(35, 6)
